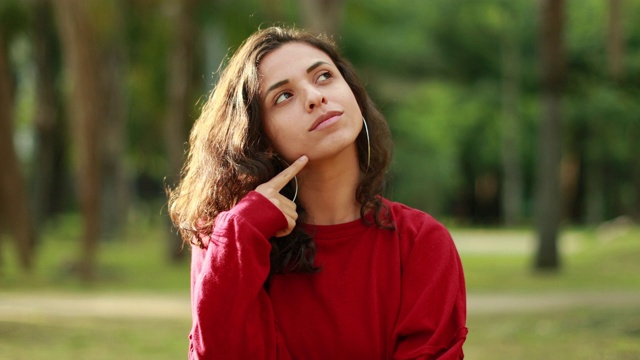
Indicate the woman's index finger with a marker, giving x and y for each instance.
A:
(282, 179)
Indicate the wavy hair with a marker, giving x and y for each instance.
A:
(229, 153)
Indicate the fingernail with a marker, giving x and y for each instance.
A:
(303, 158)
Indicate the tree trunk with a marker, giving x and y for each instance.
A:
(115, 194)
(180, 99)
(512, 166)
(594, 189)
(274, 9)
(596, 174)
(635, 173)
(616, 54)
(49, 135)
(548, 203)
(14, 203)
(77, 21)
(615, 41)
(322, 16)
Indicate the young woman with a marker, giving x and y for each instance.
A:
(295, 253)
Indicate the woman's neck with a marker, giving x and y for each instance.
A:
(328, 187)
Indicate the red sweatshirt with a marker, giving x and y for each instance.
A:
(380, 294)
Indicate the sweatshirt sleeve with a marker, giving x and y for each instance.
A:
(232, 313)
(432, 317)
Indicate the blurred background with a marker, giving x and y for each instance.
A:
(516, 123)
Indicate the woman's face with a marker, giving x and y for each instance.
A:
(308, 107)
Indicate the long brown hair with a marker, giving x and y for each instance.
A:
(229, 153)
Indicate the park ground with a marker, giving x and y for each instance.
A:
(140, 310)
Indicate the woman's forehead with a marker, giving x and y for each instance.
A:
(289, 58)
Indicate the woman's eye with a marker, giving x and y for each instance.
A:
(282, 97)
(324, 76)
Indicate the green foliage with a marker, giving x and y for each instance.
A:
(610, 113)
(434, 67)
(13, 18)
(425, 155)
(381, 33)
(148, 40)
(441, 129)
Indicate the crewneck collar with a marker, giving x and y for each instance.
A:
(339, 231)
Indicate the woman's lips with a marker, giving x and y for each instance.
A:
(325, 120)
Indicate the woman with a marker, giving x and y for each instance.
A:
(307, 261)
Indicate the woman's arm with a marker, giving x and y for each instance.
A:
(232, 314)
(431, 322)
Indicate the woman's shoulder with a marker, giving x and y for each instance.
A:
(415, 226)
(408, 218)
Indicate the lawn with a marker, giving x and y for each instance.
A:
(136, 261)
(495, 260)
(591, 260)
(578, 334)
(87, 338)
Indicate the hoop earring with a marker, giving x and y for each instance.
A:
(295, 177)
(366, 129)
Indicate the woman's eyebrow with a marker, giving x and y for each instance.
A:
(315, 65)
(282, 82)
(275, 86)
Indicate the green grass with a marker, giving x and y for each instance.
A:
(72, 338)
(600, 263)
(613, 264)
(580, 334)
(137, 263)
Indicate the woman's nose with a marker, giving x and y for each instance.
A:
(314, 98)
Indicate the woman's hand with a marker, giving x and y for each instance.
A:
(271, 190)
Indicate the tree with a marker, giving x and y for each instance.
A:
(115, 194)
(14, 203)
(511, 129)
(87, 30)
(49, 130)
(322, 16)
(180, 91)
(600, 184)
(615, 41)
(549, 148)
